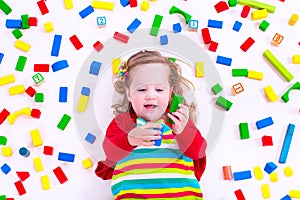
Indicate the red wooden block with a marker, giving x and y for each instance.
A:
(213, 46)
(48, 150)
(227, 173)
(9, 198)
(3, 115)
(35, 113)
(247, 44)
(282, 0)
(32, 21)
(221, 6)
(98, 46)
(76, 42)
(43, 7)
(121, 37)
(23, 175)
(20, 187)
(133, 3)
(41, 67)
(245, 11)
(206, 35)
(239, 194)
(267, 140)
(60, 175)
(30, 91)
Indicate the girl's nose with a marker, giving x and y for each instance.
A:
(150, 95)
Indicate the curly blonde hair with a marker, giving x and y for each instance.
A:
(176, 80)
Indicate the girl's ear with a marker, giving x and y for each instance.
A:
(127, 94)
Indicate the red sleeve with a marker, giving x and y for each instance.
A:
(191, 142)
(115, 143)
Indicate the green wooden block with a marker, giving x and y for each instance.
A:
(264, 25)
(21, 63)
(258, 5)
(3, 197)
(4, 7)
(3, 140)
(64, 122)
(25, 24)
(224, 103)
(38, 78)
(39, 97)
(172, 60)
(278, 66)
(17, 33)
(285, 96)
(156, 25)
(244, 131)
(177, 99)
(232, 3)
(240, 72)
(186, 16)
(216, 88)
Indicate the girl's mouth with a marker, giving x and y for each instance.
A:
(150, 106)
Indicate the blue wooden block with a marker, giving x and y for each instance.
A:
(95, 68)
(1, 57)
(68, 157)
(5, 168)
(63, 94)
(24, 152)
(90, 138)
(286, 143)
(193, 24)
(59, 65)
(286, 197)
(224, 60)
(264, 123)
(134, 25)
(124, 3)
(215, 23)
(85, 91)
(237, 26)
(56, 45)
(86, 12)
(237, 176)
(101, 21)
(270, 167)
(163, 39)
(13, 23)
(177, 28)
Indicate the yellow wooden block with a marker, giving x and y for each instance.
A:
(270, 94)
(265, 190)
(45, 182)
(7, 79)
(294, 193)
(199, 69)
(24, 111)
(288, 171)
(145, 5)
(258, 173)
(296, 59)
(22, 45)
(103, 5)
(48, 27)
(82, 104)
(36, 137)
(18, 89)
(259, 14)
(87, 163)
(115, 65)
(255, 75)
(273, 177)
(68, 4)
(293, 19)
(7, 151)
(38, 164)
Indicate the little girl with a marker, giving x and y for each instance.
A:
(138, 168)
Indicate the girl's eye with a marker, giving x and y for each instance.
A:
(141, 90)
(159, 90)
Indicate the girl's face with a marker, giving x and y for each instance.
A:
(149, 91)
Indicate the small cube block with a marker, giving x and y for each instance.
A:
(270, 167)
(264, 25)
(36, 137)
(273, 177)
(163, 39)
(237, 26)
(48, 150)
(48, 27)
(3, 140)
(90, 138)
(87, 163)
(5, 168)
(30, 91)
(177, 28)
(267, 140)
(216, 88)
(213, 46)
(17, 33)
(38, 79)
(85, 91)
(35, 113)
(95, 68)
(98, 46)
(288, 171)
(7, 151)
(145, 5)
(39, 97)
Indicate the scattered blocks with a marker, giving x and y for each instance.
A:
(64, 122)
(23, 151)
(245, 11)
(237, 88)
(121, 37)
(265, 190)
(267, 140)
(56, 45)
(270, 167)
(221, 6)
(156, 25)
(177, 28)
(214, 23)
(38, 79)
(63, 94)
(39, 97)
(270, 94)
(48, 150)
(293, 19)
(60, 175)
(59, 65)
(224, 60)
(66, 157)
(199, 69)
(48, 27)
(134, 25)
(264, 25)
(259, 14)
(224, 103)
(237, 176)
(255, 75)
(277, 39)
(264, 123)
(244, 131)
(273, 177)
(247, 44)
(216, 88)
(5, 168)
(186, 16)
(76, 42)
(206, 35)
(90, 138)
(288, 171)
(164, 40)
(227, 173)
(286, 143)
(87, 163)
(36, 138)
(86, 11)
(45, 182)
(38, 164)
(258, 173)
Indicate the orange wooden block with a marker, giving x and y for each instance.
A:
(237, 88)
(277, 39)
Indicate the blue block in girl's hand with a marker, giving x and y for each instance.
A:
(158, 142)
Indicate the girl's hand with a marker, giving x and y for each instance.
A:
(144, 135)
(180, 118)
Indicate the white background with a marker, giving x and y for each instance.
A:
(249, 106)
